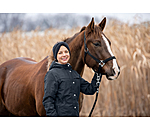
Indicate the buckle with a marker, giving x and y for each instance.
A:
(86, 50)
(101, 63)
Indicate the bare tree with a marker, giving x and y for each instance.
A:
(9, 21)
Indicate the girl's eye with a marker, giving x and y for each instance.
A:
(60, 53)
(66, 51)
(97, 44)
(63, 52)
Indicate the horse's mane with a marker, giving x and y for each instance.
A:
(67, 40)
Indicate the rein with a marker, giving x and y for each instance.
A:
(98, 74)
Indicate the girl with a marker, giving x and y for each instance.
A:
(63, 85)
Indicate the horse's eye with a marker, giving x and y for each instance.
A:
(97, 44)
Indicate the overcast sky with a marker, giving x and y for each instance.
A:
(128, 17)
(125, 17)
(125, 10)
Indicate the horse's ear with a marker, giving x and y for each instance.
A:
(83, 28)
(91, 25)
(102, 24)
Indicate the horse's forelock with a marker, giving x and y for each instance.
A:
(97, 30)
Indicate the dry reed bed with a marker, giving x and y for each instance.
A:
(129, 95)
(35, 45)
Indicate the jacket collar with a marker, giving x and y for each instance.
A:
(58, 65)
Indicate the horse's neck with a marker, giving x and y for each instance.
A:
(77, 63)
(76, 54)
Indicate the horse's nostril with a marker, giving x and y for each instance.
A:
(113, 72)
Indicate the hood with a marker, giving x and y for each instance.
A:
(58, 65)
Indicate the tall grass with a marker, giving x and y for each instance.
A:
(129, 95)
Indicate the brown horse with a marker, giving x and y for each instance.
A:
(22, 79)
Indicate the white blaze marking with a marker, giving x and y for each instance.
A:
(107, 44)
(115, 66)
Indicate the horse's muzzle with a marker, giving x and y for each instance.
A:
(115, 74)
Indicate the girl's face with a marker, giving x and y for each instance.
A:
(63, 55)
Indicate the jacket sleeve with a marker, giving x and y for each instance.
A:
(88, 88)
(50, 90)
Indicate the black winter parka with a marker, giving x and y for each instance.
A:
(62, 88)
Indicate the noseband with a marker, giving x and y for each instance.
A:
(98, 74)
(100, 62)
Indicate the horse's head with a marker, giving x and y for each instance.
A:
(99, 47)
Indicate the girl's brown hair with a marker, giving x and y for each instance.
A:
(50, 59)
